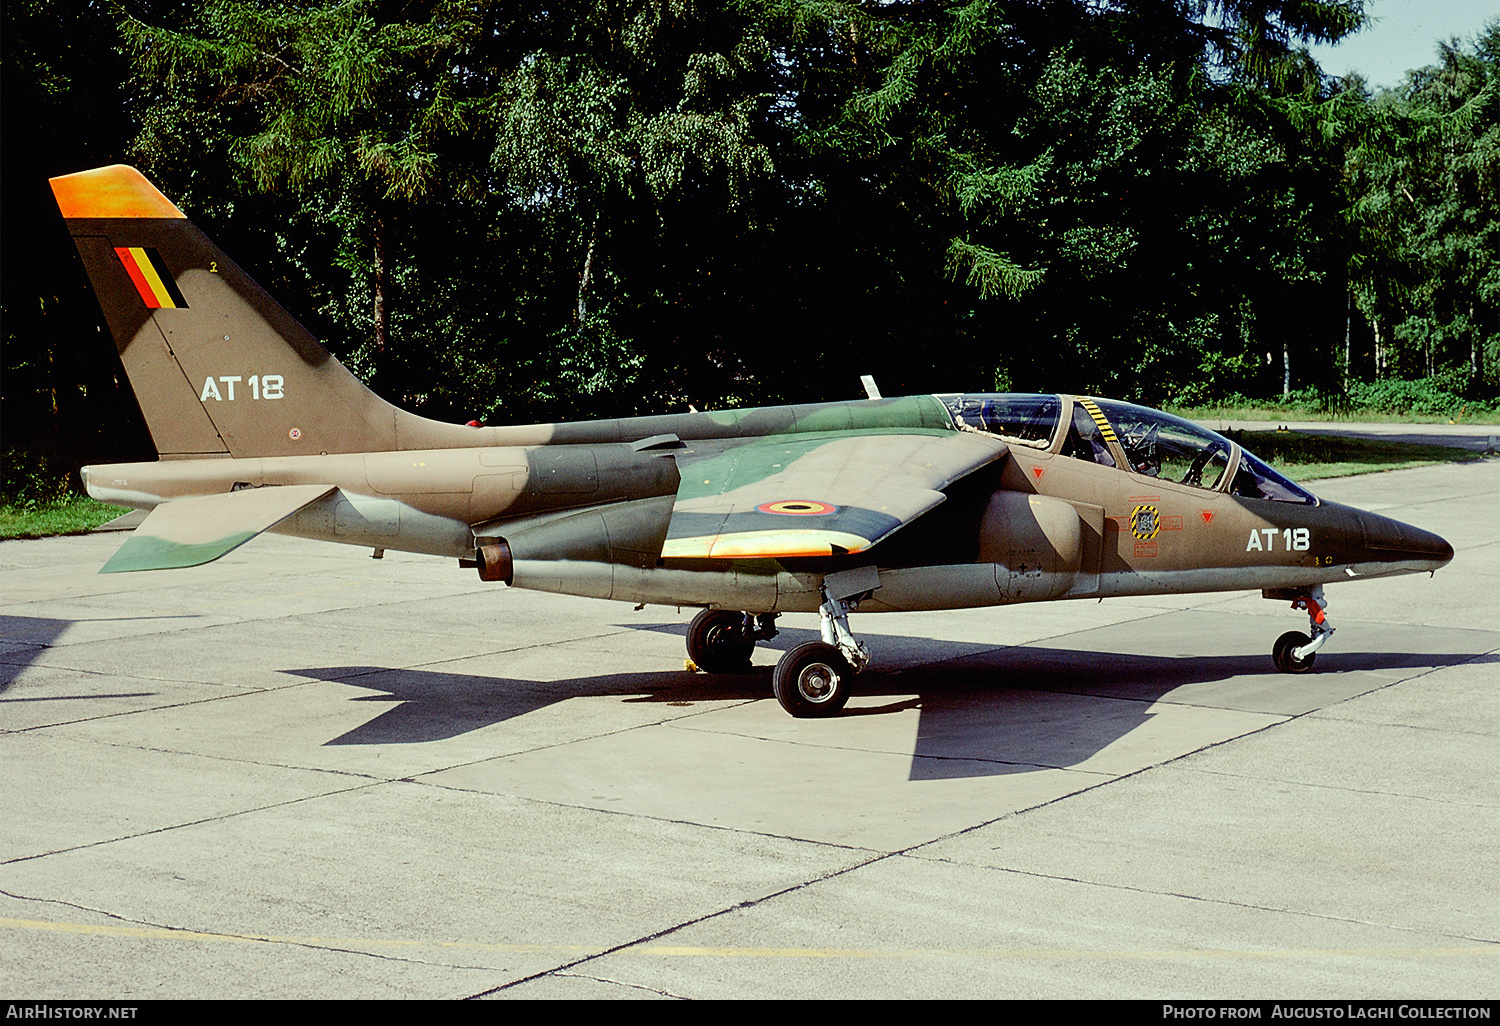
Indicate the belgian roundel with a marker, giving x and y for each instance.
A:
(797, 507)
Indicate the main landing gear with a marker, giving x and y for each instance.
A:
(812, 679)
(1294, 652)
(720, 641)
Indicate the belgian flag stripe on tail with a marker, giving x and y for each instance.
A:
(151, 277)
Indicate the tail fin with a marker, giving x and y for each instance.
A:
(218, 367)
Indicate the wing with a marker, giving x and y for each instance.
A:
(188, 532)
(820, 495)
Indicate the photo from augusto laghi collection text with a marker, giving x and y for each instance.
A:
(1327, 1010)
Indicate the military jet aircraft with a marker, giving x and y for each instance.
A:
(920, 503)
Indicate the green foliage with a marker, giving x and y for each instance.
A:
(484, 175)
(1430, 397)
(325, 94)
(993, 274)
(514, 213)
(1422, 174)
(1310, 457)
(32, 478)
(68, 514)
(41, 496)
(1435, 398)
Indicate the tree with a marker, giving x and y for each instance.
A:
(65, 398)
(437, 136)
(351, 106)
(1063, 163)
(629, 135)
(1423, 164)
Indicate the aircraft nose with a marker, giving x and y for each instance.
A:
(1391, 541)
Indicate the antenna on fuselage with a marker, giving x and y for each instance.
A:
(871, 389)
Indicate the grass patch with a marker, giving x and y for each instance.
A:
(1447, 398)
(68, 514)
(1281, 414)
(1306, 457)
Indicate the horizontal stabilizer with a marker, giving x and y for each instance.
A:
(190, 532)
(124, 522)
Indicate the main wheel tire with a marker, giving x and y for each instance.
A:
(812, 680)
(1281, 653)
(716, 641)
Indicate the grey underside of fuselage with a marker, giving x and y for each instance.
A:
(906, 589)
(385, 523)
(763, 586)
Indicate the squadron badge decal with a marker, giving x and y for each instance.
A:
(1145, 521)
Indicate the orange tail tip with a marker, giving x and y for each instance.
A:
(115, 191)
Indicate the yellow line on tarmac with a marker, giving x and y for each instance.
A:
(1058, 953)
(684, 951)
(162, 933)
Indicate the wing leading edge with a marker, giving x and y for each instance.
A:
(819, 495)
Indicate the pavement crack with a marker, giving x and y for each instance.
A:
(935, 757)
(1347, 789)
(232, 759)
(622, 983)
(1227, 902)
(191, 823)
(138, 927)
(738, 906)
(696, 824)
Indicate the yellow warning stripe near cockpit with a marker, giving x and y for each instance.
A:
(1098, 415)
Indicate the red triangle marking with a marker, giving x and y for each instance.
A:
(1207, 515)
(1038, 471)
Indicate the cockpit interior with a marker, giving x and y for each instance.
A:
(1143, 441)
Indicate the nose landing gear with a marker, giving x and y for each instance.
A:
(1295, 652)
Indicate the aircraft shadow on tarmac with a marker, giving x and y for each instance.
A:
(985, 710)
(24, 638)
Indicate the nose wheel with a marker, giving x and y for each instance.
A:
(1295, 652)
(1281, 653)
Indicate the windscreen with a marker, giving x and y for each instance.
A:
(1160, 445)
(1255, 480)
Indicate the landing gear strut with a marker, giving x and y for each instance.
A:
(812, 679)
(817, 677)
(1294, 652)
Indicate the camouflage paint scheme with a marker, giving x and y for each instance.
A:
(259, 428)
